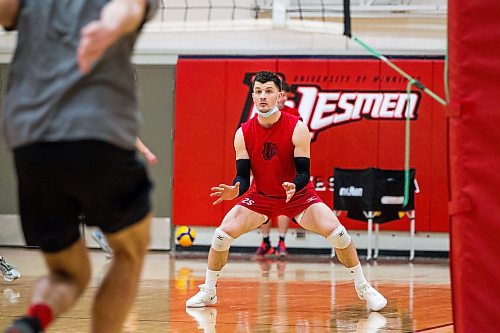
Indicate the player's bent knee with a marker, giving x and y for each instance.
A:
(339, 238)
(221, 240)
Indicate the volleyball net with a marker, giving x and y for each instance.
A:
(323, 15)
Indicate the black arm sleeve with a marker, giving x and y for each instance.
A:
(242, 175)
(302, 166)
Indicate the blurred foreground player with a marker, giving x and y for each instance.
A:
(71, 119)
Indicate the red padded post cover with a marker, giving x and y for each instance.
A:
(474, 73)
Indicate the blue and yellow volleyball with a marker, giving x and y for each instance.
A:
(185, 236)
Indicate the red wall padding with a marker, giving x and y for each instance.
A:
(474, 53)
(210, 99)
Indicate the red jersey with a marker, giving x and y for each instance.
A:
(292, 111)
(271, 152)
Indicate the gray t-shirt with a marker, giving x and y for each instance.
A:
(48, 99)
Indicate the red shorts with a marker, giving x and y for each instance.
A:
(272, 207)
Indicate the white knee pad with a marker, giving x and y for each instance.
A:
(339, 238)
(221, 241)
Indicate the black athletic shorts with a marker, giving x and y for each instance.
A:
(60, 181)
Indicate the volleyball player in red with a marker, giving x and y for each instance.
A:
(275, 146)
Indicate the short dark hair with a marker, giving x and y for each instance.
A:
(266, 76)
(285, 87)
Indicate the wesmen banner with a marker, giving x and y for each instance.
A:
(355, 109)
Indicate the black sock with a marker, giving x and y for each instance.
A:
(266, 240)
(282, 239)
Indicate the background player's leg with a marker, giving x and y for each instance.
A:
(265, 248)
(119, 287)
(283, 222)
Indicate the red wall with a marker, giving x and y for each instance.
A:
(211, 95)
(474, 163)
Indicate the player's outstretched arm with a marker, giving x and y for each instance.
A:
(241, 182)
(9, 10)
(118, 18)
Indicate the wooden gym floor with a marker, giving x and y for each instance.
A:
(301, 295)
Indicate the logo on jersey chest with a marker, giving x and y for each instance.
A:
(269, 150)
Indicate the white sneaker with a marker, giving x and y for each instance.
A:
(206, 296)
(100, 239)
(9, 272)
(373, 298)
(205, 317)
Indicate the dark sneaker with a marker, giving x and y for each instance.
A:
(24, 325)
(264, 250)
(281, 249)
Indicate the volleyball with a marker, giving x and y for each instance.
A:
(185, 236)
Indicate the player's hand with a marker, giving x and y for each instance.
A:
(289, 189)
(225, 192)
(151, 158)
(95, 39)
